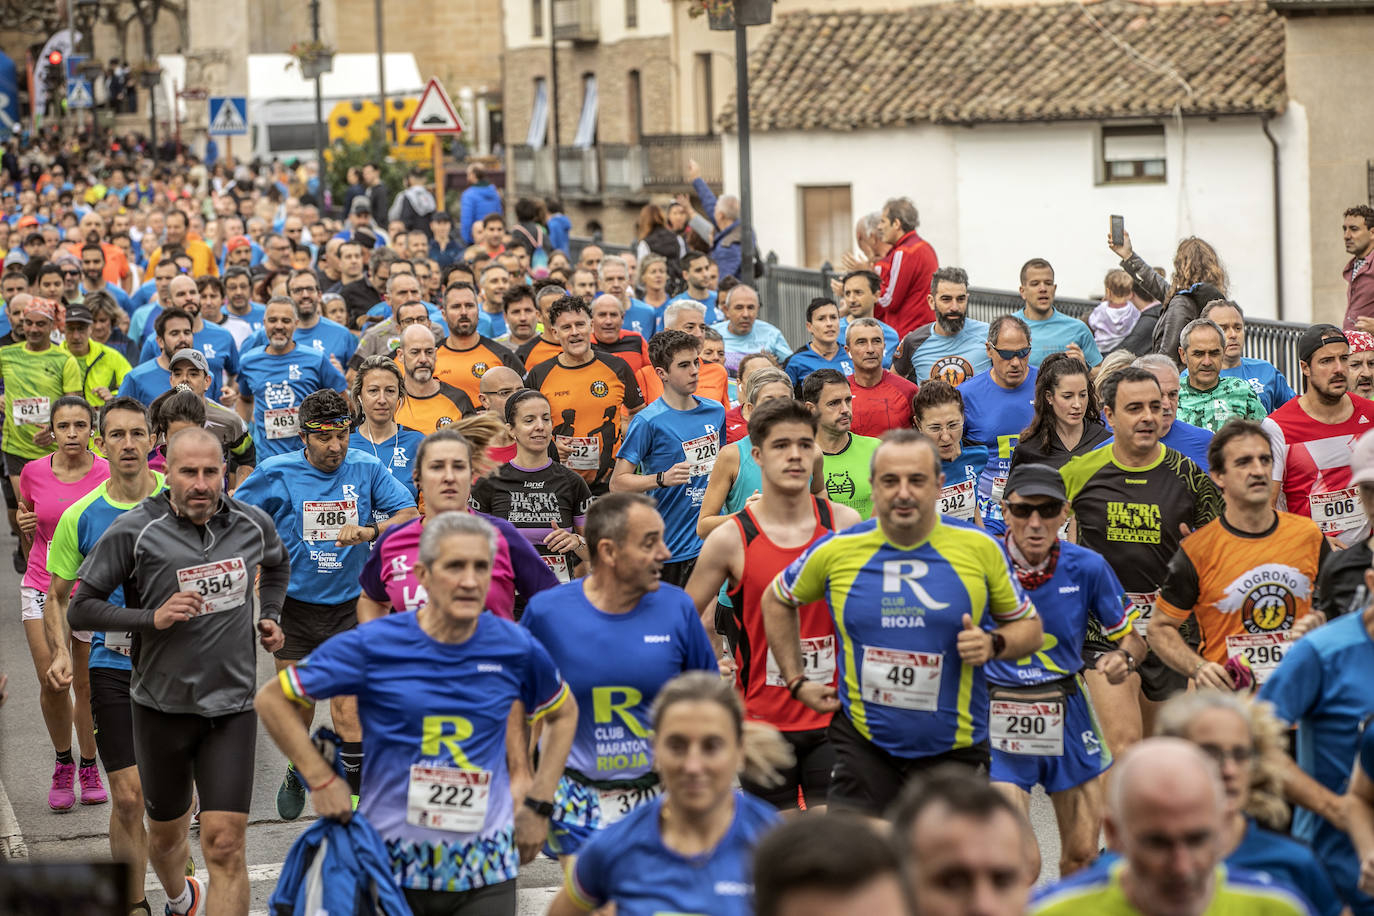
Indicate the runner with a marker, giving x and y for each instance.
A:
(690, 849)
(443, 475)
(1248, 574)
(544, 347)
(377, 390)
(1361, 378)
(736, 428)
(124, 436)
(498, 385)
(882, 399)
(275, 379)
(1067, 419)
(172, 412)
(940, 415)
(645, 632)
(610, 336)
(437, 787)
(190, 554)
(1185, 438)
(1313, 436)
(854, 871)
(999, 404)
(1133, 503)
(429, 404)
(465, 355)
(915, 695)
(823, 350)
(152, 377)
(1207, 398)
(847, 456)
(47, 486)
(713, 381)
(671, 447)
(766, 536)
(189, 369)
(102, 368)
(1265, 380)
(218, 345)
(1044, 731)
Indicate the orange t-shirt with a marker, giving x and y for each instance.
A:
(464, 368)
(1247, 591)
(585, 403)
(713, 384)
(446, 406)
(534, 352)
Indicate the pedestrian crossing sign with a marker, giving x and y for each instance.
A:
(228, 115)
(79, 94)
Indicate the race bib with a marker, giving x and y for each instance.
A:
(447, 798)
(557, 563)
(617, 803)
(1337, 511)
(905, 680)
(1263, 651)
(1034, 729)
(223, 584)
(282, 422)
(999, 486)
(32, 411)
(586, 452)
(1144, 607)
(322, 521)
(818, 662)
(960, 500)
(701, 454)
(122, 643)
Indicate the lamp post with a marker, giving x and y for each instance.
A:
(736, 17)
(150, 77)
(323, 66)
(377, 25)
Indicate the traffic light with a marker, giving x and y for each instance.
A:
(55, 75)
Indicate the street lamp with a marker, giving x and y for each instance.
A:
(150, 77)
(321, 65)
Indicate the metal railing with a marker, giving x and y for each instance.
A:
(533, 170)
(655, 165)
(785, 292)
(666, 155)
(576, 20)
(579, 171)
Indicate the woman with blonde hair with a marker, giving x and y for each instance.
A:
(1199, 278)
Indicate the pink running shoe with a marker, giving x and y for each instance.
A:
(60, 796)
(92, 789)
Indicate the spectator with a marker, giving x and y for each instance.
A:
(743, 330)
(527, 233)
(560, 227)
(1116, 314)
(1358, 229)
(905, 270)
(478, 200)
(1198, 279)
(415, 205)
(724, 213)
(656, 238)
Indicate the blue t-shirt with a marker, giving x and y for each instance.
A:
(492, 324)
(994, 417)
(748, 480)
(713, 314)
(145, 382)
(120, 296)
(425, 703)
(327, 336)
(762, 338)
(1266, 381)
(1192, 441)
(256, 311)
(309, 505)
(1322, 687)
(218, 345)
(806, 361)
(658, 438)
(279, 383)
(1083, 586)
(396, 454)
(959, 495)
(140, 298)
(628, 864)
(640, 318)
(890, 340)
(615, 665)
(954, 359)
(1055, 333)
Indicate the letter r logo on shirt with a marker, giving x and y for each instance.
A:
(897, 573)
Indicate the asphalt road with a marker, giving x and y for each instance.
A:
(29, 829)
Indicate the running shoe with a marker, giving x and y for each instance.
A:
(196, 895)
(61, 797)
(291, 796)
(92, 789)
(20, 564)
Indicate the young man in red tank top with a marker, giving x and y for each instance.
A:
(762, 540)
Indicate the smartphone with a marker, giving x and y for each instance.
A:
(1118, 231)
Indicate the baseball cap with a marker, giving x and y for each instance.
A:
(238, 241)
(16, 256)
(1318, 336)
(1362, 460)
(80, 314)
(360, 205)
(1035, 480)
(1360, 341)
(196, 358)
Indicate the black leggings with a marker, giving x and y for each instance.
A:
(176, 749)
(495, 900)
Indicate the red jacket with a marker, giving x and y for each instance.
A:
(1359, 297)
(904, 298)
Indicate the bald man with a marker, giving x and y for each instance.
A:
(495, 388)
(429, 404)
(1165, 809)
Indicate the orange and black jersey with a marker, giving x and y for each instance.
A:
(446, 406)
(464, 368)
(585, 403)
(537, 350)
(630, 347)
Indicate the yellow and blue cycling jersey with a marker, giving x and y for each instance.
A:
(1098, 892)
(898, 612)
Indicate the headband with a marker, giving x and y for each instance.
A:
(343, 421)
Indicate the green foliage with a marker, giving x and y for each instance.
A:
(343, 156)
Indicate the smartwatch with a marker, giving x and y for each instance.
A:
(541, 808)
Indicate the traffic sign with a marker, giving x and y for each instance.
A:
(79, 94)
(435, 114)
(74, 62)
(354, 120)
(228, 115)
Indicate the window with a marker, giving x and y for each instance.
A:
(539, 115)
(705, 93)
(536, 18)
(635, 105)
(284, 137)
(631, 14)
(1133, 154)
(586, 123)
(827, 227)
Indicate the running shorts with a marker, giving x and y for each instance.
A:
(868, 779)
(178, 750)
(114, 723)
(815, 758)
(1085, 755)
(306, 626)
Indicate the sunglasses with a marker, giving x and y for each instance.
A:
(1012, 354)
(71, 273)
(1047, 510)
(1240, 755)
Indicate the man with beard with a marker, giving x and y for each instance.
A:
(954, 347)
(429, 403)
(407, 307)
(149, 379)
(1361, 363)
(1313, 436)
(218, 345)
(312, 329)
(466, 355)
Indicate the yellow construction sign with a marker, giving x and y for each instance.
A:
(352, 122)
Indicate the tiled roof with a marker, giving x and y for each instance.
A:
(961, 63)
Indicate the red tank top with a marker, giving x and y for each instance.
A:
(765, 695)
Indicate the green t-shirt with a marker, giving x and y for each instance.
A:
(1232, 397)
(1097, 892)
(33, 383)
(847, 473)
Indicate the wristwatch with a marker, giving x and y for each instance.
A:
(541, 808)
(376, 531)
(999, 642)
(1130, 660)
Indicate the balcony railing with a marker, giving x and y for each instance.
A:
(576, 20)
(655, 165)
